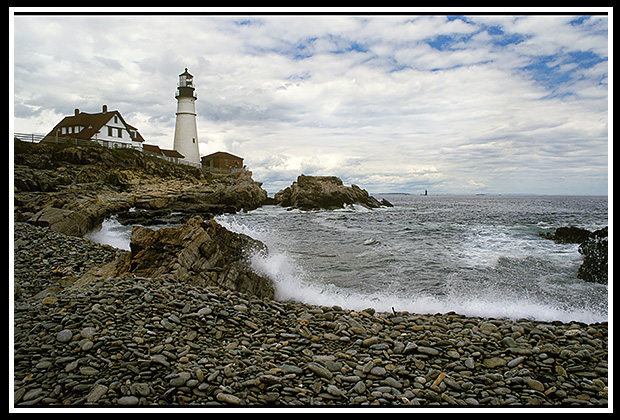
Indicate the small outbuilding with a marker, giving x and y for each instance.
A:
(222, 162)
(169, 155)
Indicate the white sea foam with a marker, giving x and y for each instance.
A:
(111, 233)
(410, 261)
(500, 300)
(484, 246)
(293, 283)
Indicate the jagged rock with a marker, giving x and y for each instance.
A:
(568, 235)
(61, 220)
(323, 192)
(595, 255)
(72, 189)
(593, 247)
(199, 252)
(235, 192)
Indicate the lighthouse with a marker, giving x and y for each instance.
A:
(185, 132)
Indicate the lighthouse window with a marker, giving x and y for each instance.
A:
(193, 140)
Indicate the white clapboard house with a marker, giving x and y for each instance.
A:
(108, 128)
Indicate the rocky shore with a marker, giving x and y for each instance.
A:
(134, 340)
(324, 192)
(72, 189)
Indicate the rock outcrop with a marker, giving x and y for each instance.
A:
(235, 192)
(595, 254)
(323, 192)
(592, 245)
(72, 189)
(568, 235)
(202, 253)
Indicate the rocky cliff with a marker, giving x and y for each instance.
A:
(324, 192)
(201, 253)
(72, 189)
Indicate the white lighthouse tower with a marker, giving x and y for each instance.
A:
(185, 132)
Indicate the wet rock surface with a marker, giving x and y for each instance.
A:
(132, 340)
(592, 245)
(199, 252)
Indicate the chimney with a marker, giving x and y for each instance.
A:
(105, 109)
(77, 112)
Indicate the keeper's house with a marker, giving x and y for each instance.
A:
(222, 162)
(108, 128)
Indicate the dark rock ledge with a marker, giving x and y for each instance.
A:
(324, 192)
(592, 245)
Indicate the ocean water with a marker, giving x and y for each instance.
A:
(474, 255)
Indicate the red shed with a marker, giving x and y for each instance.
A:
(222, 161)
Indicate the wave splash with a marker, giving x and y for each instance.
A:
(488, 298)
(415, 260)
(111, 233)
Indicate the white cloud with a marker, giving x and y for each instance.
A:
(387, 102)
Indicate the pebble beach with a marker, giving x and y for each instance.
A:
(153, 342)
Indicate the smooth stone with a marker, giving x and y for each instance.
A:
(320, 370)
(493, 362)
(64, 336)
(229, 399)
(428, 350)
(128, 400)
(534, 384)
(96, 393)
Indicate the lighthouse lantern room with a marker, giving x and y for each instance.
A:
(185, 131)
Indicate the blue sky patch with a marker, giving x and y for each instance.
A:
(468, 99)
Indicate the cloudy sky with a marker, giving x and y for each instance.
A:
(479, 103)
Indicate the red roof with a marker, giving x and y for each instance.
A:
(152, 148)
(92, 124)
(172, 153)
(224, 155)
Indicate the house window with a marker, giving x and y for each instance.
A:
(120, 133)
(115, 119)
(64, 130)
(110, 132)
